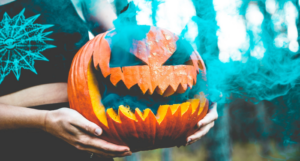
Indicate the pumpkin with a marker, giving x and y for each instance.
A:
(140, 129)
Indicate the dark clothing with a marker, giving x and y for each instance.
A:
(33, 57)
(30, 56)
(37, 145)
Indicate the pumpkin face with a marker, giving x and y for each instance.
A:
(93, 73)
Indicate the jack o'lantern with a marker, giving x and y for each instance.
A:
(98, 71)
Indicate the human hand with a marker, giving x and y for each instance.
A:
(70, 126)
(204, 125)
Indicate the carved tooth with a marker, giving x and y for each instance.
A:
(113, 115)
(195, 104)
(145, 79)
(138, 113)
(131, 76)
(161, 113)
(161, 88)
(150, 92)
(194, 75)
(174, 108)
(169, 91)
(127, 112)
(159, 91)
(203, 101)
(147, 111)
(184, 107)
(189, 78)
(181, 88)
(116, 75)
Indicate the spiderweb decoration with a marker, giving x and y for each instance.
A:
(21, 42)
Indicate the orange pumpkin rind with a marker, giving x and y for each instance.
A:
(140, 130)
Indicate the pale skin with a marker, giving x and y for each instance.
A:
(68, 124)
(204, 125)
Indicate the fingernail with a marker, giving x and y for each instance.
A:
(199, 124)
(188, 142)
(126, 150)
(189, 139)
(127, 153)
(98, 132)
(191, 142)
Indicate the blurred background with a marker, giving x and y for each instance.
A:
(251, 50)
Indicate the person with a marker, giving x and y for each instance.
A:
(39, 39)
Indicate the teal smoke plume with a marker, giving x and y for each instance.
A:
(252, 78)
(121, 39)
(267, 67)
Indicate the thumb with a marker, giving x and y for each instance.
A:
(90, 127)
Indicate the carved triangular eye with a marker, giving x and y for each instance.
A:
(182, 54)
(121, 58)
(122, 45)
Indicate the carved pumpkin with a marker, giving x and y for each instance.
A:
(140, 129)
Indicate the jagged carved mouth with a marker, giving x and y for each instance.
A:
(165, 80)
(118, 93)
(100, 88)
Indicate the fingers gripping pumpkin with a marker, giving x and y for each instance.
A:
(93, 73)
